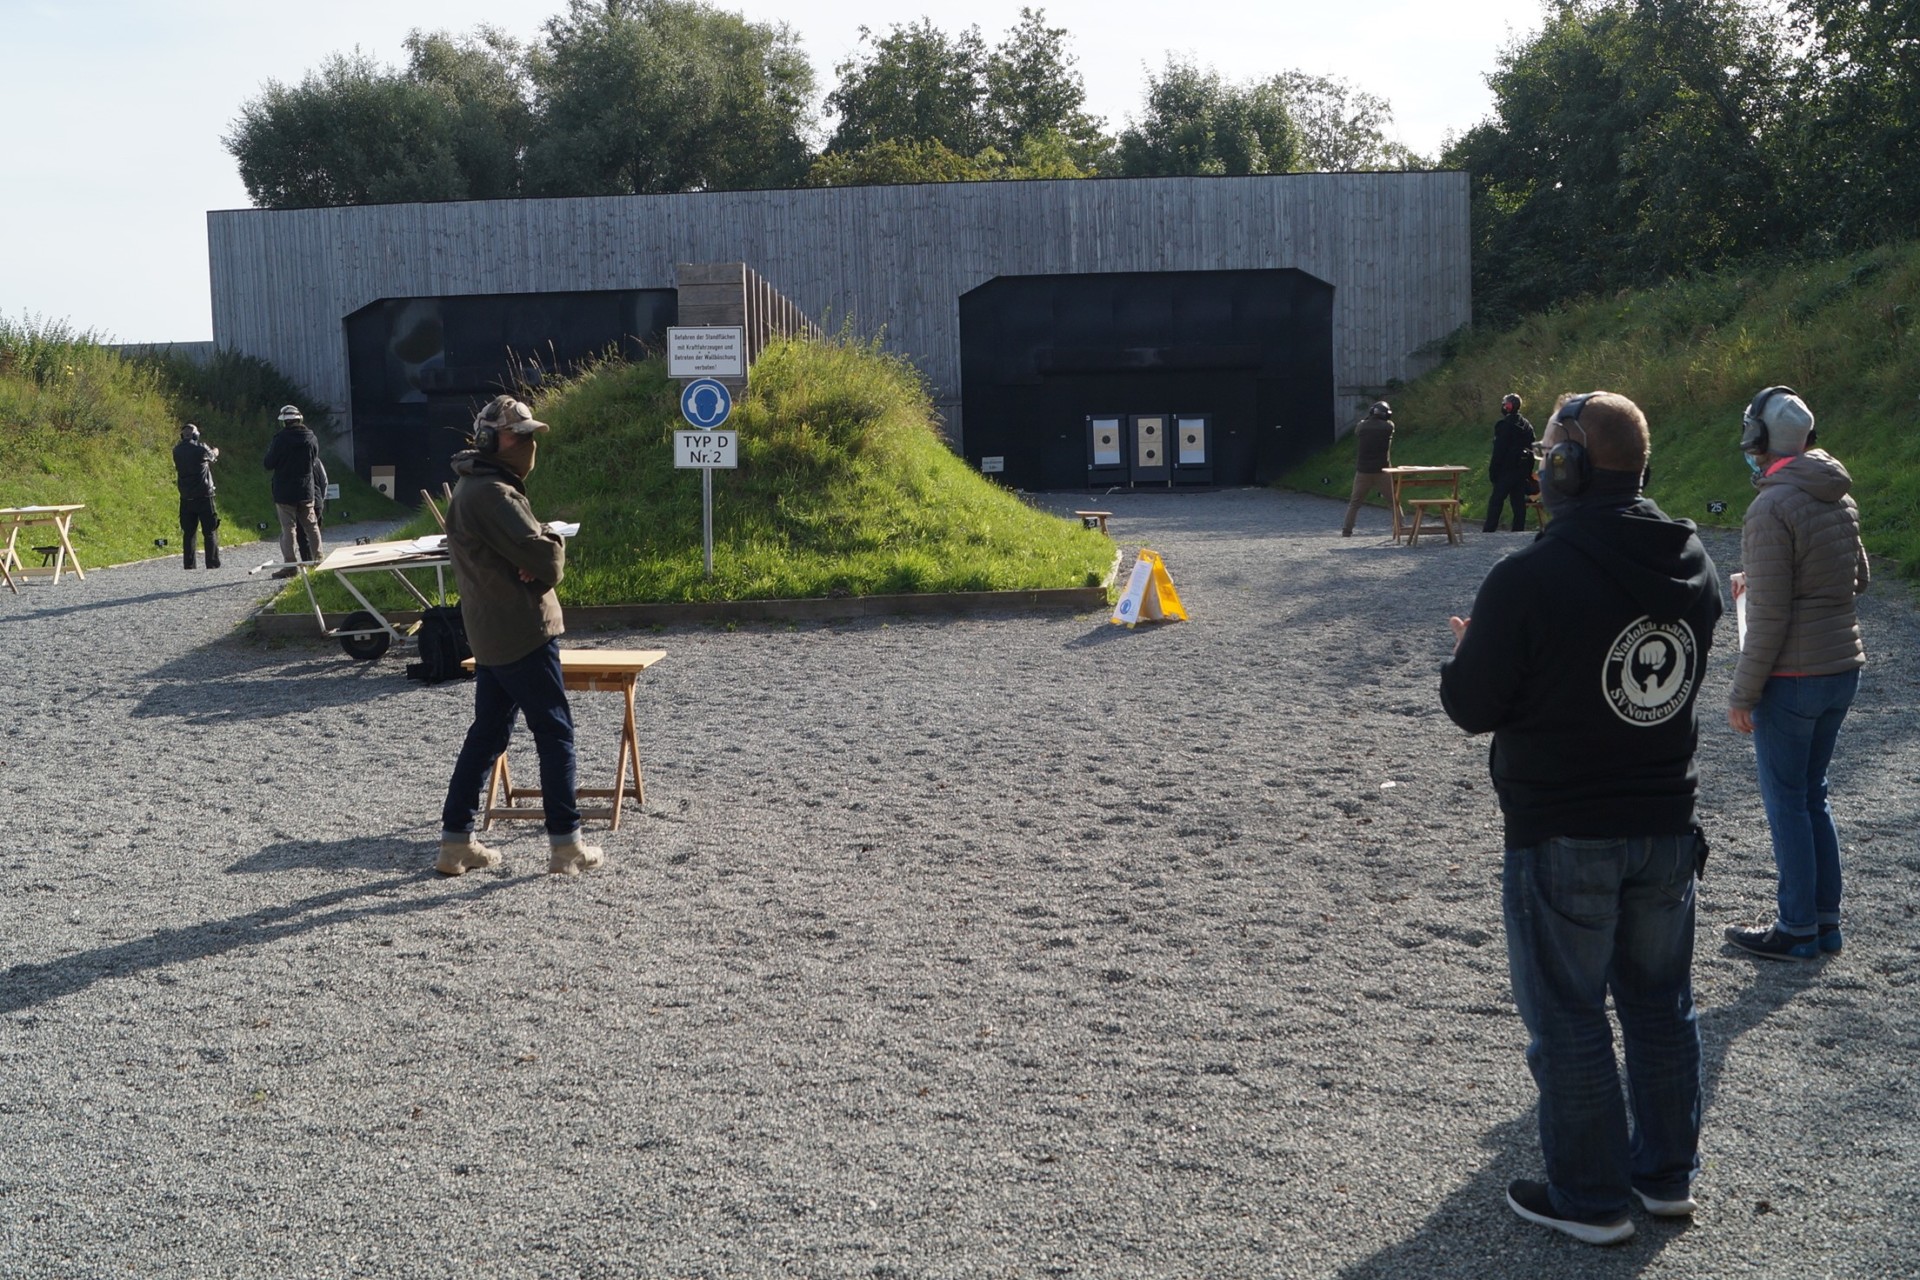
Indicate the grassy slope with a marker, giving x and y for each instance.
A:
(78, 423)
(1692, 353)
(844, 488)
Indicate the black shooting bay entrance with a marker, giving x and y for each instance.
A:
(1146, 379)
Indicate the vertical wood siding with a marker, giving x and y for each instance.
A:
(1395, 247)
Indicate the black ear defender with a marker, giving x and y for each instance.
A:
(485, 438)
(1753, 428)
(1567, 467)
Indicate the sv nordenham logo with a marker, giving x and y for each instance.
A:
(1649, 671)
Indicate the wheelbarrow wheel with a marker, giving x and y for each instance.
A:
(364, 648)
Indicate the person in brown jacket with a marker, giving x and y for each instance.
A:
(507, 564)
(1800, 661)
(1374, 437)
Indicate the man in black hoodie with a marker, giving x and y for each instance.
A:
(1511, 466)
(1584, 657)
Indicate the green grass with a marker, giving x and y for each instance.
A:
(1692, 353)
(844, 487)
(81, 423)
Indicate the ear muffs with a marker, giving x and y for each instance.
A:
(1567, 468)
(1753, 433)
(485, 438)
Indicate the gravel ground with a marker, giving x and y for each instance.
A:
(1009, 946)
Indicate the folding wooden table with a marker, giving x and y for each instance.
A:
(583, 670)
(61, 518)
(1400, 478)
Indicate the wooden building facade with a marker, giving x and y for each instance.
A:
(1392, 247)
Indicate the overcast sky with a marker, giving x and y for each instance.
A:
(113, 149)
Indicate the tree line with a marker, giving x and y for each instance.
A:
(1630, 140)
(1633, 141)
(626, 97)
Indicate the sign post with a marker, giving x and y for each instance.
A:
(706, 404)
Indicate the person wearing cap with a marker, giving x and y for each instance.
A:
(1584, 656)
(1373, 437)
(290, 456)
(1511, 467)
(1802, 564)
(507, 563)
(193, 461)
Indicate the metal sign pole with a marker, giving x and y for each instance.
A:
(706, 515)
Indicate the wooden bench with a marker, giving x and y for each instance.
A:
(1094, 519)
(1447, 509)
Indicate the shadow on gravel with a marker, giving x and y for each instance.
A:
(26, 985)
(116, 602)
(399, 852)
(1472, 1235)
(230, 682)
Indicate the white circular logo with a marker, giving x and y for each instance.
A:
(1649, 671)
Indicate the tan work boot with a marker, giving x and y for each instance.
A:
(570, 857)
(461, 854)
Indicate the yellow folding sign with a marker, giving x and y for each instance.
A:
(1149, 594)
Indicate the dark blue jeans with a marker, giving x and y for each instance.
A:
(531, 686)
(1585, 917)
(1795, 725)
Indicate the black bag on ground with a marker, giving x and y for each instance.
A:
(443, 646)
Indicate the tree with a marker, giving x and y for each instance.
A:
(1035, 97)
(893, 162)
(1198, 123)
(357, 132)
(1630, 141)
(642, 96)
(1855, 106)
(914, 84)
(1342, 128)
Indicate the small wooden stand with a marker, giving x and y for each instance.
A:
(583, 670)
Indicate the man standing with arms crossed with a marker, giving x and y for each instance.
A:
(1584, 657)
(507, 564)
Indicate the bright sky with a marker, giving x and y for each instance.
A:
(118, 106)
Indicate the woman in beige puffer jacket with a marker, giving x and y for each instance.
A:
(1800, 661)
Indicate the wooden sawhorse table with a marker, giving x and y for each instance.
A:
(61, 518)
(583, 670)
(1401, 479)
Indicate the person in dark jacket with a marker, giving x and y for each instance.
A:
(1511, 466)
(320, 483)
(290, 456)
(1373, 441)
(193, 461)
(1584, 656)
(507, 564)
(1802, 564)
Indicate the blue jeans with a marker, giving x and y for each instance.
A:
(1585, 917)
(1795, 724)
(534, 687)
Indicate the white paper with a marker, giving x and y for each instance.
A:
(564, 528)
(430, 544)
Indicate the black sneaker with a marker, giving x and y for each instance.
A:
(1771, 943)
(1830, 939)
(1530, 1200)
(1681, 1208)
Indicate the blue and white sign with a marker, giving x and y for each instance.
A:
(706, 403)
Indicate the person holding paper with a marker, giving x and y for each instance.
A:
(1800, 660)
(1584, 657)
(507, 564)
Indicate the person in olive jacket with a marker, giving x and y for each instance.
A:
(507, 564)
(1802, 565)
(1373, 441)
(1511, 466)
(290, 456)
